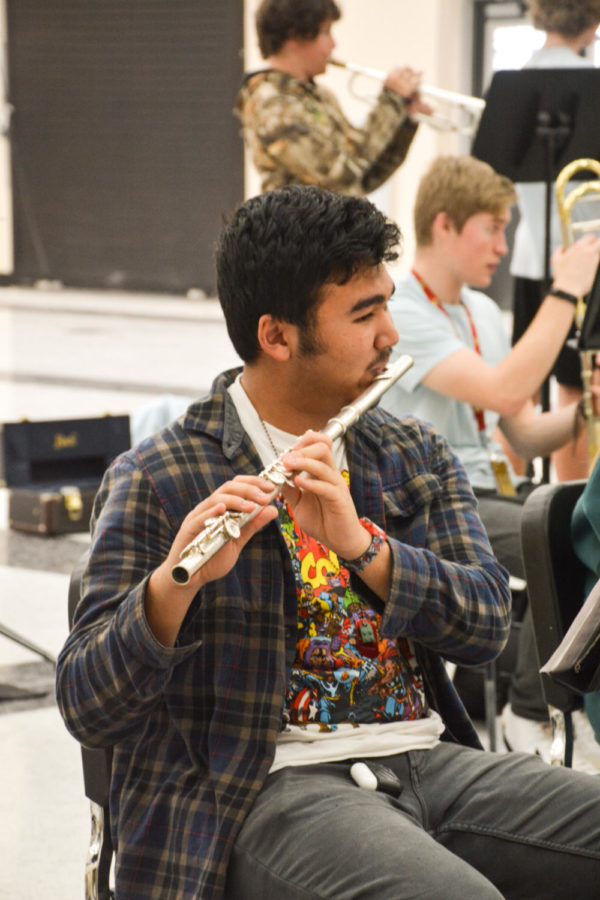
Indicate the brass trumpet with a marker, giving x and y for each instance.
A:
(470, 108)
(566, 202)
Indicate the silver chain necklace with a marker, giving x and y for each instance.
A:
(269, 438)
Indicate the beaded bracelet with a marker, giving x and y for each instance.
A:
(378, 536)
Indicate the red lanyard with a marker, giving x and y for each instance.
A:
(476, 346)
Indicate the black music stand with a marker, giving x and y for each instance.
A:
(536, 121)
(589, 334)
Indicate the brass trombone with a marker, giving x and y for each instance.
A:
(470, 108)
(584, 191)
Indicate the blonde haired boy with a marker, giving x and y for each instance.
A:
(468, 381)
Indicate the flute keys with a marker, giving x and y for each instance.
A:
(277, 477)
(219, 529)
(226, 523)
(277, 474)
(231, 528)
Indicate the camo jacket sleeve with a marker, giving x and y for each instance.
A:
(297, 133)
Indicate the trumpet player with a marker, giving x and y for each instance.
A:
(295, 128)
(253, 710)
(469, 383)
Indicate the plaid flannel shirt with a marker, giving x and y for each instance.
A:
(298, 134)
(194, 726)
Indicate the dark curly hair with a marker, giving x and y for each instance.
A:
(279, 20)
(280, 248)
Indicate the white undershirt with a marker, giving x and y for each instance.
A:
(302, 746)
(282, 440)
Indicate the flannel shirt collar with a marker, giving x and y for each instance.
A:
(219, 419)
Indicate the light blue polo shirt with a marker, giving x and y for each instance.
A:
(429, 336)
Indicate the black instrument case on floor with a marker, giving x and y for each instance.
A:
(53, 469)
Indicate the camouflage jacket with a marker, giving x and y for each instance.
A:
(298, 134)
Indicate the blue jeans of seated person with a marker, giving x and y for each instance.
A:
(468, 825)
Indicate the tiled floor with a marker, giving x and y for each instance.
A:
(70, 354)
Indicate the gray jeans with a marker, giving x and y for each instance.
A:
(467, 825)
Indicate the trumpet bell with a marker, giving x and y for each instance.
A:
(463, 112)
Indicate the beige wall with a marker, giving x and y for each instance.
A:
(432, 36)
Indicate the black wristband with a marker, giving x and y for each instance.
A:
(563, 295)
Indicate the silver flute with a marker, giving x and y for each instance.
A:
(221, 529)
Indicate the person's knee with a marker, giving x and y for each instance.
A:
(440, 876)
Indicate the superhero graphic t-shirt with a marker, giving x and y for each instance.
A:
(343, 670)
(350, 691)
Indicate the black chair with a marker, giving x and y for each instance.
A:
(555, 582)
(96, 779)
(484, 689)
